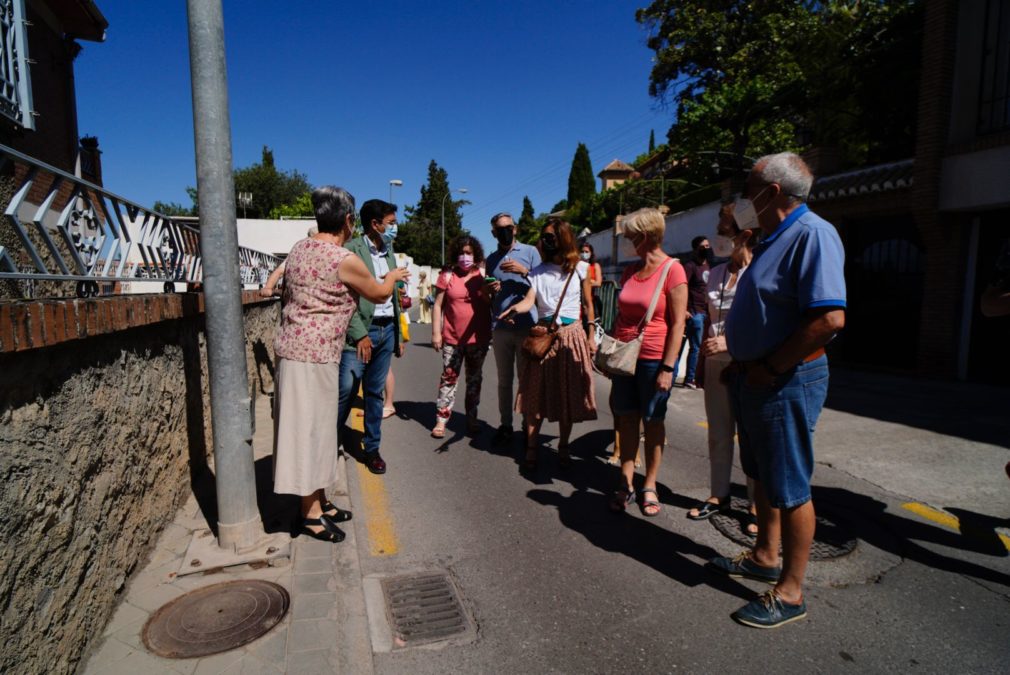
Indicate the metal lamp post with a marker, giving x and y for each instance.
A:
(396, 182)
(461, 191)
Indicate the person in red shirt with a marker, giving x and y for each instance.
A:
(641, 398)
(461, 330)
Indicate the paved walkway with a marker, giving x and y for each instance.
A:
(324, 631)
(937, 448)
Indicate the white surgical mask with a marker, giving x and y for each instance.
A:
(722, 246)
(744, 213)
(585, 256)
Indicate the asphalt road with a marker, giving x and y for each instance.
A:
(555, 583)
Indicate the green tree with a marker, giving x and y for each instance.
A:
(270, 187)
(527, 230)
(420, 235)
(755, 76)
(300, 208)
(652, 141)
(581, 181)
(173, 209)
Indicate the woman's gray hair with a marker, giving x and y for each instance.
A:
(789, 171)
(332, 205)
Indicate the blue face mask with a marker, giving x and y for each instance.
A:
(389, 235)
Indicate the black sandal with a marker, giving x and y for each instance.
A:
(708, 509)
(564, 457)
(340, 516)
(330, 533)
(621, 499)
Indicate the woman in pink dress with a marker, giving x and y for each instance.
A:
(461, 330)
(322, 282)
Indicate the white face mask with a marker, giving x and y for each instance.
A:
(585, 256)
(722, 246)
(744, 213)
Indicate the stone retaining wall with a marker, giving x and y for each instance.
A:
(104, 422)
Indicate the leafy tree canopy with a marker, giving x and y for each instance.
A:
(755, 76)
(300, 208)
(173, 209)
(420, 234)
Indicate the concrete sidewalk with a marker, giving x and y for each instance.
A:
(324, 631)
(934, 449)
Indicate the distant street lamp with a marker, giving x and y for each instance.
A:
(462, 191)
(244, 200)
(396, 182)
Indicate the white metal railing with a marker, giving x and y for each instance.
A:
(84, 233)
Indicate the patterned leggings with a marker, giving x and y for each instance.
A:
(453, 358)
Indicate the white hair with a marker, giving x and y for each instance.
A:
(789, 171)
(313, 231)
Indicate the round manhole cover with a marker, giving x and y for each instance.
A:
(215, 619)
(831, 540)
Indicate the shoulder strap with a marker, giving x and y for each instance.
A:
(561, 300)
(655, 296)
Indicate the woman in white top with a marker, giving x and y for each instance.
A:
(558, 388)
(722, 284)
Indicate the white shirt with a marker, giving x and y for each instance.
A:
(720, 298)
(381, 267)
(547, 279)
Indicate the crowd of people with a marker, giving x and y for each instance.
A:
(759, 321)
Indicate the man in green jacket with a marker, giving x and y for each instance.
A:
(373, 336)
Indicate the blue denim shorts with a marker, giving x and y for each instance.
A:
(637, 394)
(776, 430)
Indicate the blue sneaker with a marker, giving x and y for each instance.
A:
(768, 611)
(744, 566)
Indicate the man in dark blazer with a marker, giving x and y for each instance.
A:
(373, 335)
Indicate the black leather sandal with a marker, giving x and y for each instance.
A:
(330, 532)
(335, 513)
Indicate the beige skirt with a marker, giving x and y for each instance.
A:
(305, 426)
(560, 388)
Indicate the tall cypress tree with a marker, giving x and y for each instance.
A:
(652, 141)
(526, 229)
(420, 236)
(581, 181)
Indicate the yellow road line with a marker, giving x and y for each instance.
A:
(382, 539)
(944, 518)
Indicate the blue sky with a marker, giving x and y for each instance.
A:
(358, 93)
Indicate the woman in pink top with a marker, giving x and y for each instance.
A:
(461, 330)
(322, 283)
(641, 398)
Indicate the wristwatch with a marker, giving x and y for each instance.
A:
(665, 368)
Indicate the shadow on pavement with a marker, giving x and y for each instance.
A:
(644, 541)
(870, 521)
(974, 412)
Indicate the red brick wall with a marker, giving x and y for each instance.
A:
(35, 324)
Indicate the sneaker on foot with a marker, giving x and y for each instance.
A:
(769, 611)
(690, 385)
(743, 566)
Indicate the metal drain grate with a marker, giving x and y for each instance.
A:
(423, 608)
(831, 539)
(215, 619)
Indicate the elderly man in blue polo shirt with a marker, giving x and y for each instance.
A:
(788, 306)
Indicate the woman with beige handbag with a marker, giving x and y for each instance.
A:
(651, 309)
(559, 386)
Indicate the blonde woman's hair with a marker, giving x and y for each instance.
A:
(649, 223)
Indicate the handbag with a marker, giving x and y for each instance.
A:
(541, 338)
(406, 302)
(616, 357)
